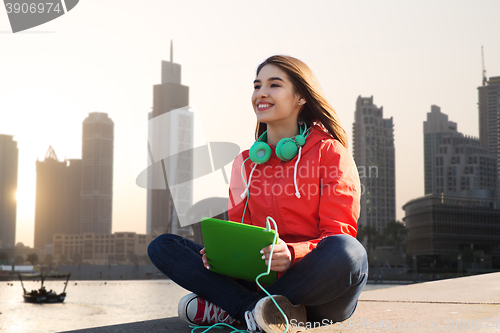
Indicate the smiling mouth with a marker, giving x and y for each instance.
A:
(264, 106)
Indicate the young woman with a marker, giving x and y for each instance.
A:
(300, 173)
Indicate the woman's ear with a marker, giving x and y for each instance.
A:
(302, 101)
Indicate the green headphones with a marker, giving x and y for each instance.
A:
(286, 149)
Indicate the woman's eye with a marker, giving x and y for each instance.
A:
(256, 87)
(274, 85)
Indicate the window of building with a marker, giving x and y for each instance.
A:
(120, 246)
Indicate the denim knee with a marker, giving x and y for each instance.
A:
(156, 244)
(352, 252)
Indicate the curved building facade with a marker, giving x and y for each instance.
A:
(440, 224)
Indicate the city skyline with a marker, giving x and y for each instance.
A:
(75, 196)
(409, 56)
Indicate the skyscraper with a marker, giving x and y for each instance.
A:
(72, 199)
(489, 113)
(455, 163)
(167, 96)
(8, 187)
(57, 207)
(373, 150)
(464, 167)
(97, 174)
(435, 127)
(49, 204)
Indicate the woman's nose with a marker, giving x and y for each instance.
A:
(262, 93)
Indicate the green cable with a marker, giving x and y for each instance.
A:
(208, 328)
(269, 270)
(248, 193)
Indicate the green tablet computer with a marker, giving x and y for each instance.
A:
(233, 249)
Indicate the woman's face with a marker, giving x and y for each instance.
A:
(274, 99)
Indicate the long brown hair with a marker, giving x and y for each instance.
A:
(316, 109)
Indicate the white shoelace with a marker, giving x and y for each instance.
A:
(217, 315)
(252, 325)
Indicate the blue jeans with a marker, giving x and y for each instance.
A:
(327, 281)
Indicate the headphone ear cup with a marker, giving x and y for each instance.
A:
(260, 152)
(301, 140)
(286, 149)
(278, 149)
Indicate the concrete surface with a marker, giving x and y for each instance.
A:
(469, 304)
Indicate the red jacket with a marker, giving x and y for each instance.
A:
(328, 182)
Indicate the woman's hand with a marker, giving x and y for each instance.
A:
(204, 258)
(282, 258)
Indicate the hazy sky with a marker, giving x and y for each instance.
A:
(106, 56)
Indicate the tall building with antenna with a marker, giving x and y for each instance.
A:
(461, 210)
(170, 95)
(9, 155)
(489, 112)
(97, 174)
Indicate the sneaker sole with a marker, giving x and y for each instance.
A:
(270, 318)
(182, 308)
(183, 313)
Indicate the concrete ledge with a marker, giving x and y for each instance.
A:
(173, 324)
(469, 304)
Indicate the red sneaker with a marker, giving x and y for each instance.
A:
(196, 311)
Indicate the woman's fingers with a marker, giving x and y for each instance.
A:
(281, 259)
(204, 258)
